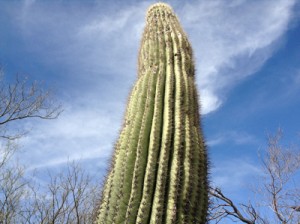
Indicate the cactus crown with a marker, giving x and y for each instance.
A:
(159, 7)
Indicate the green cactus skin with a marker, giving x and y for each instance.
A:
(159, 168)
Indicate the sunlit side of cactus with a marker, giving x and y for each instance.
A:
(159, 168)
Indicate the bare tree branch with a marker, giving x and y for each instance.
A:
(23, 100)
(278, 190)
(68, 198)
(19, 100)
(225, 207)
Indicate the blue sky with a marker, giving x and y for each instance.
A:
(247, 56)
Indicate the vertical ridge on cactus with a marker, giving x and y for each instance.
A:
(159, 168)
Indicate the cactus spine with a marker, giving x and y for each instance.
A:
(159, 168)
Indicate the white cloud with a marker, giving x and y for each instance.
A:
(78, 134)
(234, 173)
(238, 138)
(209, 101)
(232, 40)
(81, 40)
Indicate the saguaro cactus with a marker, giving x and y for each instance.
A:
(159, 167)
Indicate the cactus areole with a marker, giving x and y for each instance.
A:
(159, 168)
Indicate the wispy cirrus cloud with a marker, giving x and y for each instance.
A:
(235, 137)
(232, 40)
(234, 174)
(79, 134)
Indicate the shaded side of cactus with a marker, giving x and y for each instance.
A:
(159, 167)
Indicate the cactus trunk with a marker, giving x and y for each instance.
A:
(159, 168)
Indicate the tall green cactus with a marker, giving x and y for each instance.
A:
(159, 167)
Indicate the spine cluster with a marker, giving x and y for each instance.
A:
(159, 168)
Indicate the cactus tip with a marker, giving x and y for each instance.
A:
(159, 4)
(162, 5)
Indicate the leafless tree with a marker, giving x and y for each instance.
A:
(69, 197)
(277, 190)
(19, 100)
(22, 100)
(12, 186)
(222, 207)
